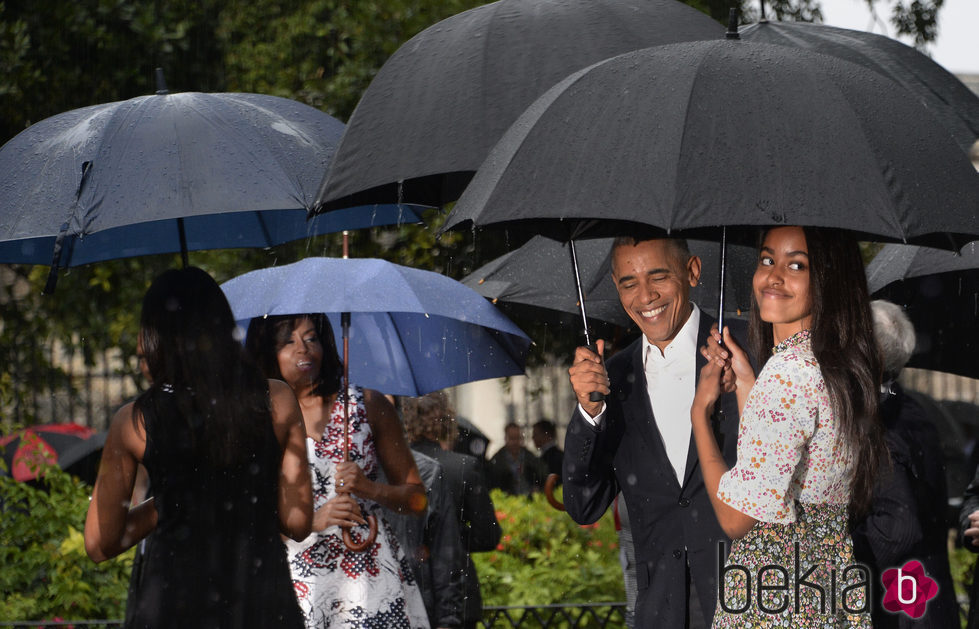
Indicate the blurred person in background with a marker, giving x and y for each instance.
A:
(430, 424)
(544, 435)
(433, 546)
(907, 516)
(514, 468)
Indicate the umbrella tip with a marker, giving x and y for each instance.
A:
(161, 85)
(732, 25)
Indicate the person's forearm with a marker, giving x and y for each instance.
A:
(407, 498)
(713, 466)
(140, 522)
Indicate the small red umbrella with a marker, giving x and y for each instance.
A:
(26, 452)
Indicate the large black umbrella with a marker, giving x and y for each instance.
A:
(945, 96)
(440, 103)
(939, 290)
(691, 136)
(538, 274)
(169, 173)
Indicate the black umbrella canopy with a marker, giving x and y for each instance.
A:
(540, 274)
(939, 290)
(945, 96)
(692, 136)
(895, 263)
(440, 103)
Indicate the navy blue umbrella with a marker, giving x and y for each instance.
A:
(411, 331)
(169, 173)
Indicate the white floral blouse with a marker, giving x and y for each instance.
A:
(787, 441)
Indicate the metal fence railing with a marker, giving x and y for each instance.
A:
(572, 615)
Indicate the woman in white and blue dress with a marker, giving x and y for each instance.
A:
(809, 441)
(336, 586)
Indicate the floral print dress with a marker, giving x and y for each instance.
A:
(793, 476)
(337, 587)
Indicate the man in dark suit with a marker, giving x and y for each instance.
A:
(638, 440)
(514, 468)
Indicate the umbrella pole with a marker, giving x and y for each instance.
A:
(594, 396)
(371, 520)
(720, 292)
(182, 233)
(581, 296)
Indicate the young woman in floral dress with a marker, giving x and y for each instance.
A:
(809, 440)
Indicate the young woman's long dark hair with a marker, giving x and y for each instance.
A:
(844, 345)
(197, 367)
(267, 335)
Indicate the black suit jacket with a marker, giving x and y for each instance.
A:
(463, 478)
(906, 519)
(673, 523)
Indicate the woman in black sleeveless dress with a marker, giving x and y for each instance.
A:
(225, 452)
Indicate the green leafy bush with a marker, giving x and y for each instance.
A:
(46, 574)
(545, 558)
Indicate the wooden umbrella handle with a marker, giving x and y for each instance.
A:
(349, 542)
(549, 486)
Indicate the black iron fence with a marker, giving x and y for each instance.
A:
(598, 615)
(59, 385)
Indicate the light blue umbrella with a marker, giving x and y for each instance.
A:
(412, 331)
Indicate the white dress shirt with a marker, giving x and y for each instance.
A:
(671, 379)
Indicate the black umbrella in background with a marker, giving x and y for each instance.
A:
(537, 274)
(443, 99)
(945, 96)
(939, 290)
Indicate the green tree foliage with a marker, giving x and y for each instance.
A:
(46, 574)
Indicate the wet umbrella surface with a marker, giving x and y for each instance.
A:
(443, 99)
(692, 136)
(945, 96)
(412, 331)
(169, 173)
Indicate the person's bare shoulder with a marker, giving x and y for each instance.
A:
(131, 434)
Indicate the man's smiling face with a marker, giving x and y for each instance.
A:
(654, 278)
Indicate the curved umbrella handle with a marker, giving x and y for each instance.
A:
(549, 486)
(349, 542)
